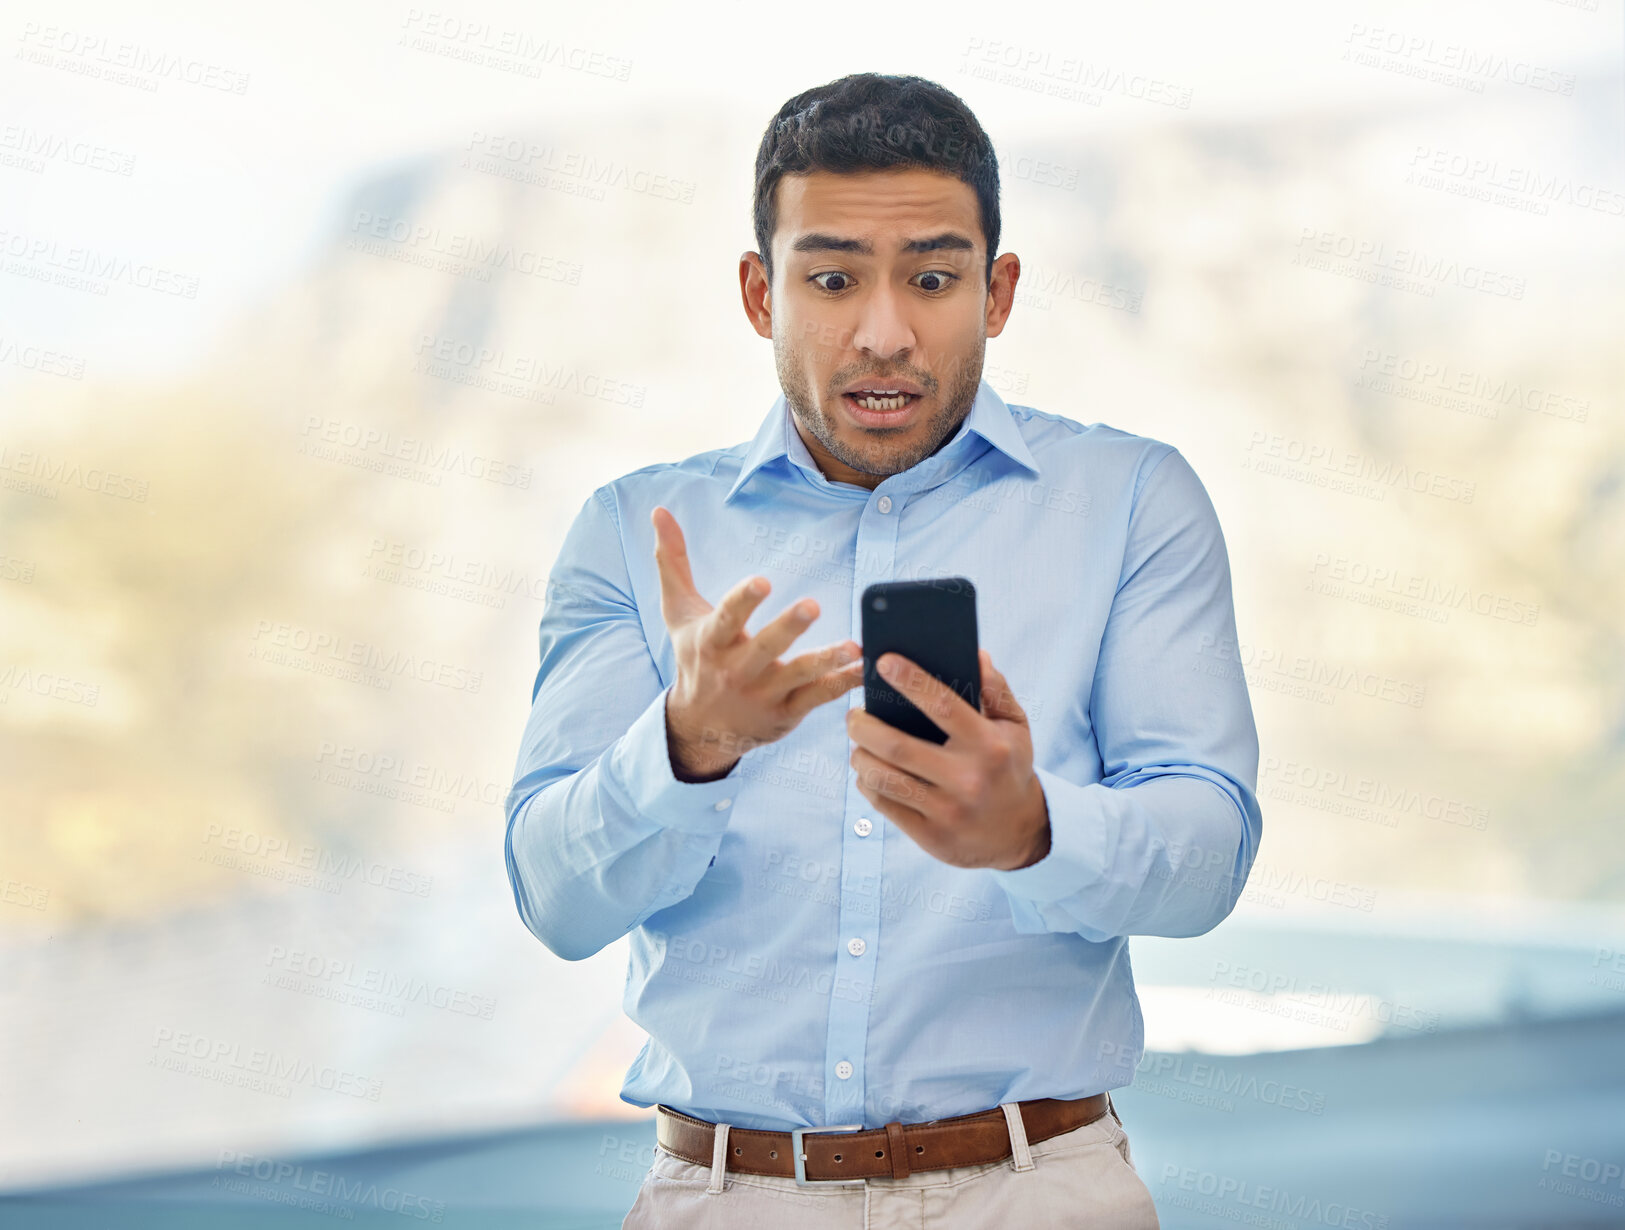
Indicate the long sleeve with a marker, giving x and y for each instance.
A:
(1164, 842)
(600, 833)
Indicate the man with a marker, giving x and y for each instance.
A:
(928, 941)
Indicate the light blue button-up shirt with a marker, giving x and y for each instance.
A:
(796, 959)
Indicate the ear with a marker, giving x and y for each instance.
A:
(756, 292)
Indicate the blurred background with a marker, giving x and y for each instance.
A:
(318, 323)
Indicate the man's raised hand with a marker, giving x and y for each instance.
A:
(732, 693)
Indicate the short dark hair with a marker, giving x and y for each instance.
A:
(875, 122)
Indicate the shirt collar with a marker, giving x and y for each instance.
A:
(989, 418)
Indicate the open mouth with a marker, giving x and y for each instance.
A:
(872, 405)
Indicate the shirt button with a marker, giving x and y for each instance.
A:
(855, 946)
(884, 503)
(843, 1070)
(724, 804)
(863, 828)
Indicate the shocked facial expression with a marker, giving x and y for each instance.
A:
(879, 313)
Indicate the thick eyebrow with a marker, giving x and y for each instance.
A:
(818, 241)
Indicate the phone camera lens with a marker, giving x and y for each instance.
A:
(879, 604)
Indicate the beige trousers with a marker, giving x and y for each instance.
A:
(1080, 1179)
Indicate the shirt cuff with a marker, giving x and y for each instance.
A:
(1077, 850)
(641, 766)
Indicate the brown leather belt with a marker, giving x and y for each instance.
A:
(890, 1152)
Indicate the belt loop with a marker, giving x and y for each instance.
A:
(719, 1158)
(897, 1144)
(1019, 1152)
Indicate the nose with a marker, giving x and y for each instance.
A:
(882, 327)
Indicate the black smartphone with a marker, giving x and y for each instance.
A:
(932, 623)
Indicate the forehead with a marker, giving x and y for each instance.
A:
(900, 202)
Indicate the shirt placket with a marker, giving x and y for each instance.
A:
(862, 847)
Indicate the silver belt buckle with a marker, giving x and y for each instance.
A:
(801, 1158)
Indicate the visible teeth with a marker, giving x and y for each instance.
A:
(895, 402)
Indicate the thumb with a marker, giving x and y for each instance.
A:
(998, 701)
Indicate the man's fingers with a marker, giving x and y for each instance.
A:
(942, 704)
(998, 701)
(728, 620)
(804, 668)
(679, 600)
(778, 635)
(826, 687)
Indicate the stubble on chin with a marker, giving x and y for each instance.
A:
(879, 457)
